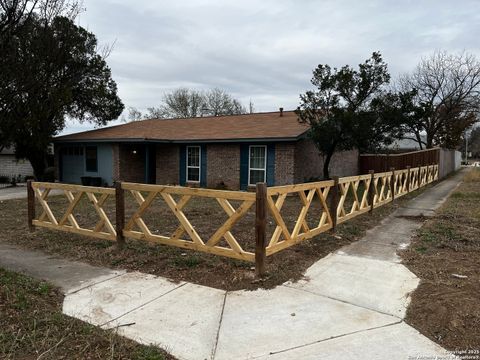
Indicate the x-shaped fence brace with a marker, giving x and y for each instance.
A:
(400, 183)
(414, 178)
(382, 192)
(359, 204)
(103, 228)
(423, 176)
(307, 193)
(211, 245)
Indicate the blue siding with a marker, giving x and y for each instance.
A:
(74, 167)
(105, 163)
(244, 166)
(183, 165)
(271, 164)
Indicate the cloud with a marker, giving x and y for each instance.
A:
(265, 51)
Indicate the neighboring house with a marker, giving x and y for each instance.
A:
(11, 166)
(233, 152)
(405, 145)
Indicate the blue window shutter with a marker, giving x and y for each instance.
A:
(271, 164)
(183, 165)
(243, 167)
(203, 165)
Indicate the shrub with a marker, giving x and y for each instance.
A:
(49, 174)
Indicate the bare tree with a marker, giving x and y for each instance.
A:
(447, 98)
(188, 103)
(183, 103)
(218, 102)
(134, 114)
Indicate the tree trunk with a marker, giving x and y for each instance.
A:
(39, 164)
(419, 139)
(326, 164)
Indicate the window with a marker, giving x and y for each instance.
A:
(72, 150)
(91, 159)
(193, 163)
(257, 164)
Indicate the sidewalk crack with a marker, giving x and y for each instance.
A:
(345, 302)
(331, 338)
(214, 350)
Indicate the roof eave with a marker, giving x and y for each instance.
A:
(183, 141)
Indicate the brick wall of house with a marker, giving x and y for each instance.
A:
(284, 163)
(223, 166)
(168, 164)
(11, 166)
(309, 163)
(131, 166)
(116, 162)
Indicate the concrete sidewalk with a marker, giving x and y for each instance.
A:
(350, 305)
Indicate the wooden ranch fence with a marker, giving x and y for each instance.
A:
(334, 201)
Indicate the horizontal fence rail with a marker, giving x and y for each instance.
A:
(321, 206)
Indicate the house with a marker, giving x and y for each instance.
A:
(10, 166)
(231, 152)
(407, 144)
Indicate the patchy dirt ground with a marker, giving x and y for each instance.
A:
(181, 264)
(445, 255)
(32, 326)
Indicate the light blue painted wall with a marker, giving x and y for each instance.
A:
(73, 170)
(105, 163)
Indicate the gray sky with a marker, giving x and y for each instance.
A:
(265, 51)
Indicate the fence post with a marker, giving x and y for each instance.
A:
(334, 202)
(371, 190)
(119, 214)
(260, 228)
(392, 183)
(31, 205)
(408, 178)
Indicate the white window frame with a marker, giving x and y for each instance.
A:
(250, 168)
(199, 167)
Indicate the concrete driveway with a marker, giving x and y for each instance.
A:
(17, 192)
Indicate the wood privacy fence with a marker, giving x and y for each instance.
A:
(384, 162)
(323, 205)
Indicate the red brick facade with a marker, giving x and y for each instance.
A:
(295, 162)
(129, 162)
(309, 162)
(284, 163)
(116, 162)
(168, 164)
(223, 166)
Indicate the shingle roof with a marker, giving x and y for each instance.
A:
(234, 127)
